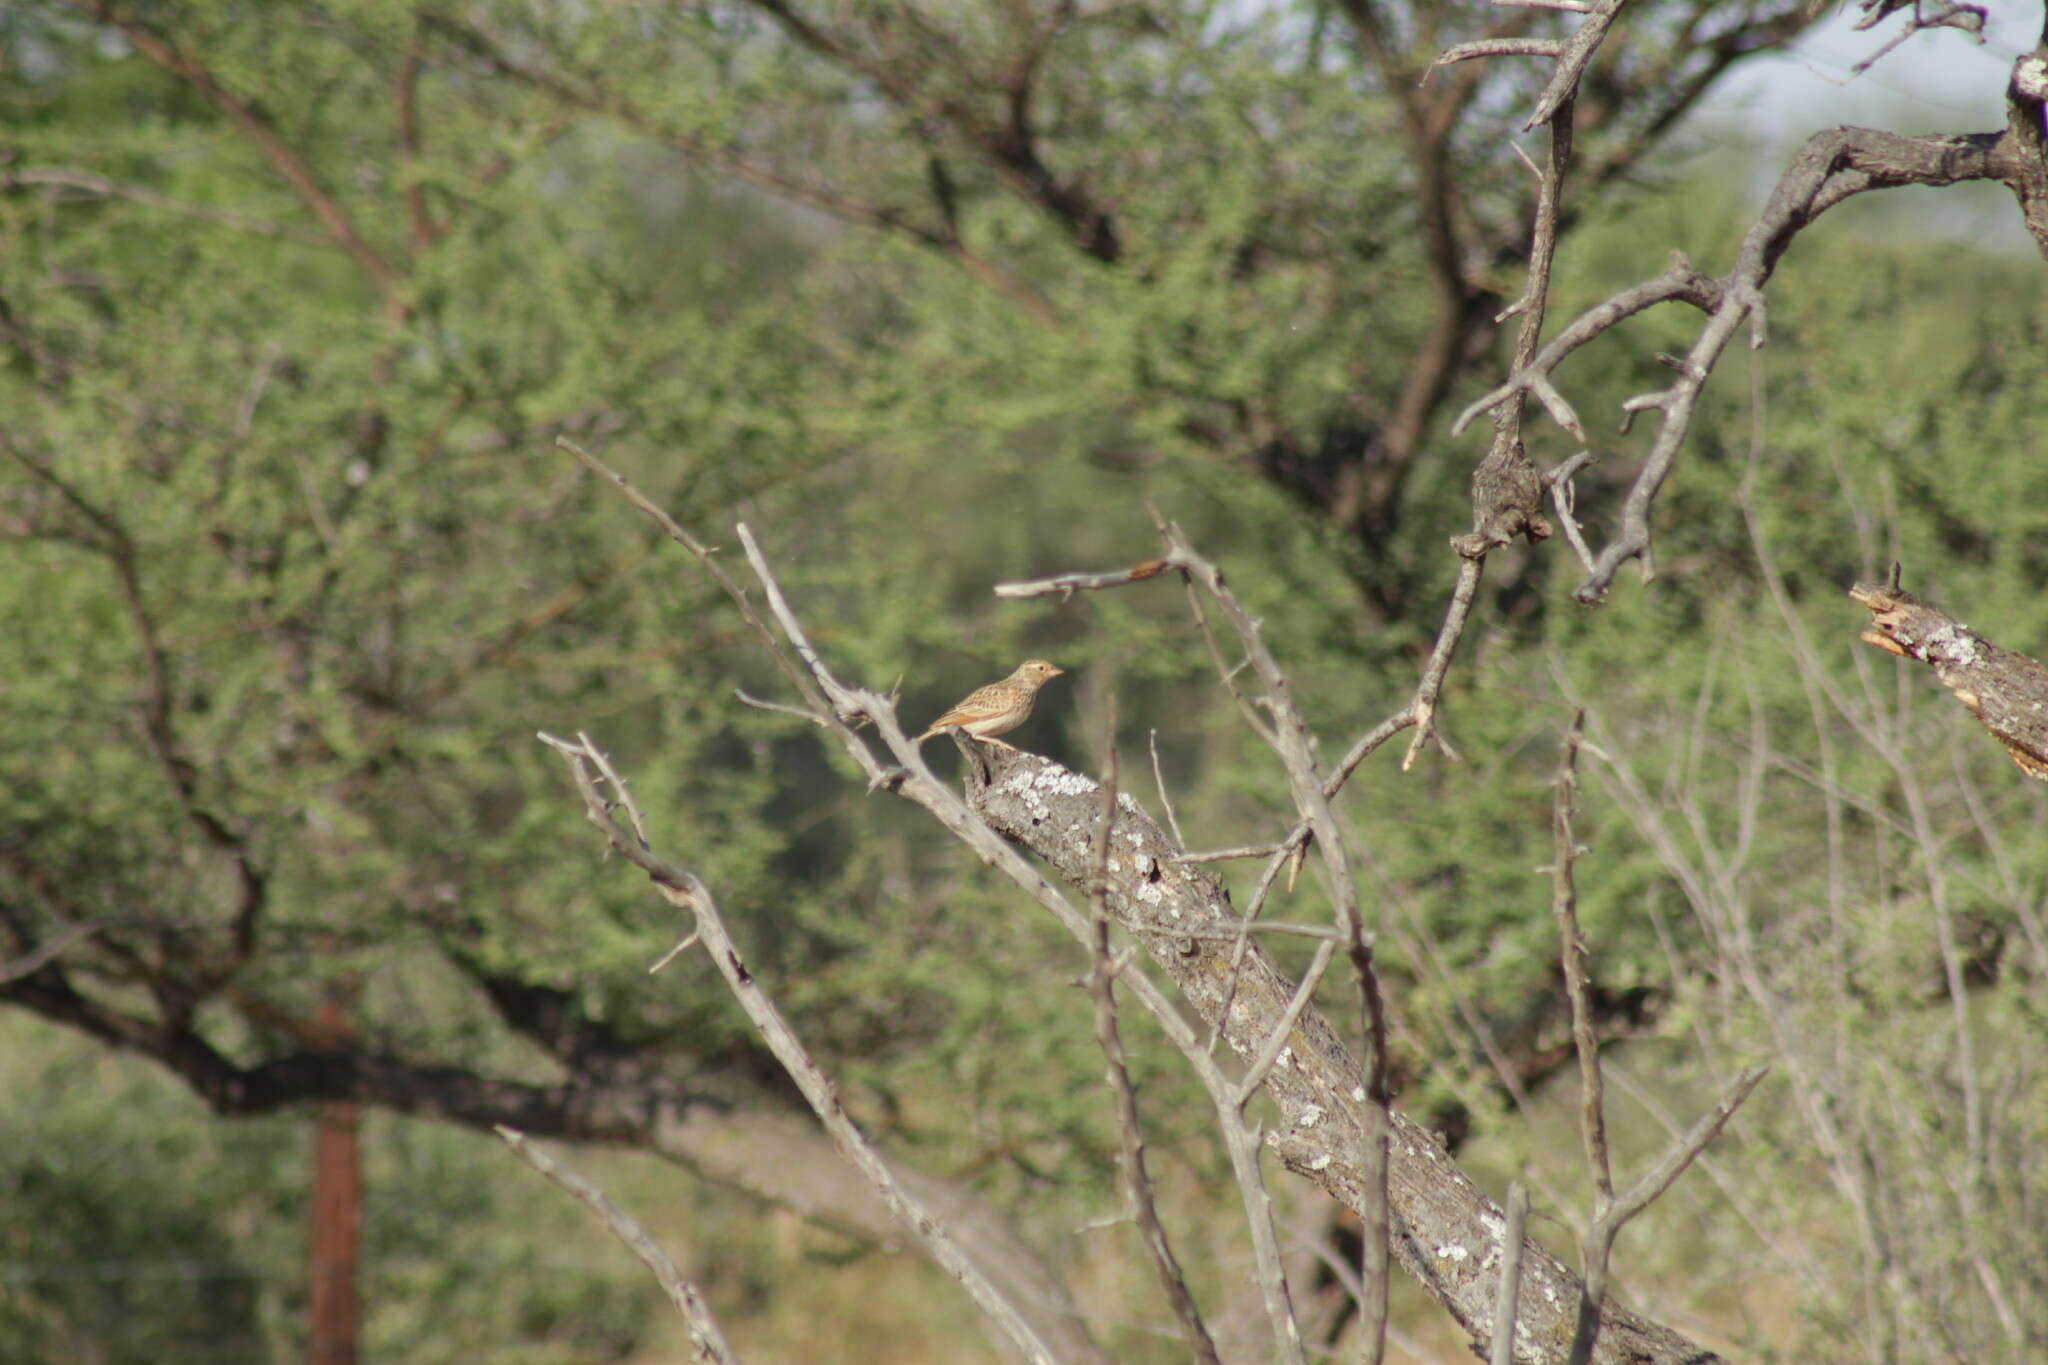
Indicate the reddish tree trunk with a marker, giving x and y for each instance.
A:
(337, 1216)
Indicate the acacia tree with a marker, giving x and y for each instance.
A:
(282, 416)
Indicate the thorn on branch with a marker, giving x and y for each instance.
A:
(689, 942)
(1493, 47)
(1066, 585)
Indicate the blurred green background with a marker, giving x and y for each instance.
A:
(294, 301)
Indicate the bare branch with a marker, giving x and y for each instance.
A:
(1834, 165)
(1563, 500)
(1679, 282)
(1282, 1028)
(588, 765)
(1572, 61)
(1968, 18)
(1226, 854)
(1444, 1228)
(1496, 47)
(1572, 955)
(1159, 782)
(1659, 1178)
(821, 712)
(1612, 1216)
(1421, 710)
(687, 942)
(1503, 1352)
(709, 1342)
(914, 781)
(758, 704)
(1224, 672)
(1318, 1087)
(1066, 585)
(1131, 1137)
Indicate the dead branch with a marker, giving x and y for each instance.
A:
(1445, 1231)
(1102, 974)
(1968, 18)
(1610, 1214)
(1066, 585)
(1503, 1352)
(590, 767)
(1835, 165)
(705, 1336)
(1571, 951)
(1507, 492)
(910, 778)
(2005, 690)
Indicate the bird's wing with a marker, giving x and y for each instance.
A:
(974, 705)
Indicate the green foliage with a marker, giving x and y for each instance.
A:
(291, 573)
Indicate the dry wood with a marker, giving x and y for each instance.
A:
(2005, 690)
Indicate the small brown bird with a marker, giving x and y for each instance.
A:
(2005, 690)
(1000, 707)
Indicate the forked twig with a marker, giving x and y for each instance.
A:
(1610, 1214)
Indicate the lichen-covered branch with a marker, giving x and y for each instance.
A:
(1446, 1232)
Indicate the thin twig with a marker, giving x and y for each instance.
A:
(1067, 584)
(1422, 709)
(1607, 1225)
(1562, 500)
(760, 705)
(1159, 781)
(689, 941)
(1224, 671)
(1130, 1135)
(1510, 1275)
(1572, 955)
(1222, 855)
(1968, 18)
(1277, 1037)
(709, 1342)
(798, 678)
(1659, 1178)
